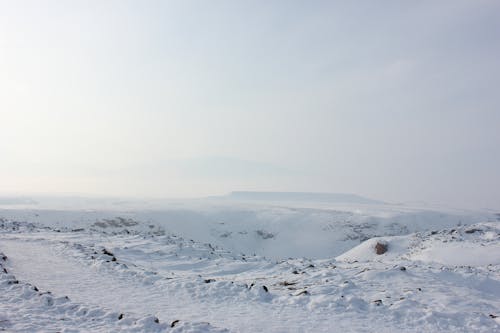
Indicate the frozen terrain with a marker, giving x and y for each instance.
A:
(248, 266)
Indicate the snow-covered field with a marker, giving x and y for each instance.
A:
(221, 265)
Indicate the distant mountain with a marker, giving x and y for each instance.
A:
(302, 196)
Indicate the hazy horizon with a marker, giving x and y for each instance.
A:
(170, 99)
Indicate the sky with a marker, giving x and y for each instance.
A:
(394, 100)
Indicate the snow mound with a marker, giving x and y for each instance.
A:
(396, 247)
(475, 245)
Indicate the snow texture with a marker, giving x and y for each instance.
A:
(225, 269)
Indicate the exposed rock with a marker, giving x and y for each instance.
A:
(109, 253)
(286, 283)
(380, 248)
(264, 234)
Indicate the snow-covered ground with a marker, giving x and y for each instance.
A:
(217, 266)
(274, 229)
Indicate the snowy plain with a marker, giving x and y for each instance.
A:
(247, 265)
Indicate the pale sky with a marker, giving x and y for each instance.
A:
(394, 100)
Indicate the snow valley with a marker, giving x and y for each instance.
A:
(247, 262)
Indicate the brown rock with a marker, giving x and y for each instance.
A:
(380, 248)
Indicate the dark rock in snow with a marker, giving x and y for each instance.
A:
(209, 280)
(378, 302)
(286, 283)
(402, 268)
(264, 234)
(265, 289)
(380, 248)
(175, 322)
(120, 317)
(104, 251)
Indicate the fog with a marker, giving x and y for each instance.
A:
(394, 101)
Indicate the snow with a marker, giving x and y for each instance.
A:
(298, 268)
(365, 252)
(275, 230)
(455, 248)
(469, 255)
